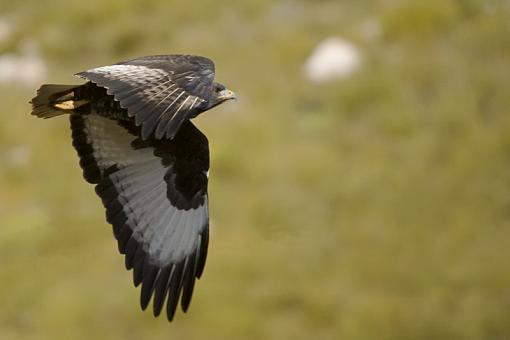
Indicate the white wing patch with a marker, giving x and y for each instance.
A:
(135, 75)
(166, 233)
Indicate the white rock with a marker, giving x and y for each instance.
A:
(333, 58)
(26, 68)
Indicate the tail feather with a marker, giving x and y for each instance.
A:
(51, 100)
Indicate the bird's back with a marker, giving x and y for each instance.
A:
(99, 102)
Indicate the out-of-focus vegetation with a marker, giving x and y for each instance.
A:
(375, 207)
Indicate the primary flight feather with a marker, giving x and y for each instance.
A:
(131, 128)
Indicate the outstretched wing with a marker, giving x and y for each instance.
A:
(155, 195)
(160, 92)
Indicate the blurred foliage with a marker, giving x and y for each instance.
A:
(373, 207)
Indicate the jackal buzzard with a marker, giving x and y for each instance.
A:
(131, 129)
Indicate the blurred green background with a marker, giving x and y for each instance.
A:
(371, 207)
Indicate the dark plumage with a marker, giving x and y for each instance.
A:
(130, 127)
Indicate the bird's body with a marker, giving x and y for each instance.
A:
(130, 127)
(100, 102)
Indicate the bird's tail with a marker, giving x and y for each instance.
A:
(53, 100)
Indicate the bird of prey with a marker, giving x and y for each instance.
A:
(131, 128)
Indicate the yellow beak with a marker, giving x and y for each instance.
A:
(226, 95)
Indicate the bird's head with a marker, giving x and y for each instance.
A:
(221, 94)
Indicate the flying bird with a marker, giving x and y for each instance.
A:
(131, 128)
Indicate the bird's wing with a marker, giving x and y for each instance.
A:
(155, 195)
(160, 92)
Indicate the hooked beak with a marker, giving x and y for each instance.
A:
(226, 95)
